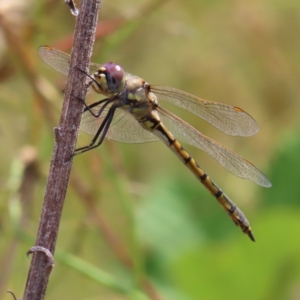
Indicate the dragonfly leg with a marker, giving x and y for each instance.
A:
(90, 77)
(103, 129)
(106, 101)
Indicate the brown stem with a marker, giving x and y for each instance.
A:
(65, 141)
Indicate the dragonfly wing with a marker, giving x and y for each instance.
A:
(231, 161)
(124, 127)
(60, 61)
(229, 119)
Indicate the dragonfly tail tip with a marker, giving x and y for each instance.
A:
(251, 236)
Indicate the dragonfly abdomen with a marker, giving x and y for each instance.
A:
(230, 207)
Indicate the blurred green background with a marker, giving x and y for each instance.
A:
(136, 224)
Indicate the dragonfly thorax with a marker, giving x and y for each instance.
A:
(137, 98)
(109, 79)
(138, 90)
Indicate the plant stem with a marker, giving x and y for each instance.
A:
(65, 141)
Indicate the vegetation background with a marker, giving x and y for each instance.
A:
(135, 221)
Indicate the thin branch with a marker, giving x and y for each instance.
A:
(65, 141)
(73, 8)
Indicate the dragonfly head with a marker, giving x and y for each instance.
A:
(110, 78)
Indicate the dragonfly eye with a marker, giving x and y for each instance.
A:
(114, 76)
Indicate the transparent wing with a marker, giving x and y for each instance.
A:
(229, 119)
(228, 159)
(124, 127)
(59, 61)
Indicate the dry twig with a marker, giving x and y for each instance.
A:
(65, 141)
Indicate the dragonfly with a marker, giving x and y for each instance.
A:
(131, 113)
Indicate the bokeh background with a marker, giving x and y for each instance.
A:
(136, 224)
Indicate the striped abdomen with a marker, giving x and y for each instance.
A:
(233, 211)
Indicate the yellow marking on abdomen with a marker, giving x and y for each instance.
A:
(230, 207)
